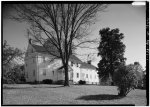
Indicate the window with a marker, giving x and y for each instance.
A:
(86, 75)
(77, 75)
(27, 75)
(26, 65)
(33, 72)
(40, 59)
(71, 63)
(46, 58)
(44, 72)
(91, 76)
(53, 72)
(77, 65)
(43, 59)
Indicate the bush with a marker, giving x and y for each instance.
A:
(82, 82)
(47, 81)
(125, 78)
(14, 75)
(139, 84)
(144, 82)
(8, 81)
(106, 81)
(60, 82)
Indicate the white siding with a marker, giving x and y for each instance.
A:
(76, 69)
(34, 62)
(91, 73)
(49, 66)
(30, 65)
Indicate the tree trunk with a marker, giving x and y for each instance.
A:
(66, 83)
(122, 93)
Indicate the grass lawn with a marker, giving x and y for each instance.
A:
(75, 94)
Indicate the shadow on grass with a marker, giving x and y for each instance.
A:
(99, 97)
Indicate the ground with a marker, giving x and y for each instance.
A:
(75, 94)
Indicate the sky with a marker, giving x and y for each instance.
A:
(131, 21)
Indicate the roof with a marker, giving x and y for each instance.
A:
(75, 59)
(62, 67)
(86, 65)
(41, 49)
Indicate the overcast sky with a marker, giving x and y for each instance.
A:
(131, 20)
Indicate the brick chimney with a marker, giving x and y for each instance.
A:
(89, 62)
(30, 41)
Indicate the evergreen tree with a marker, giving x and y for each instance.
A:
(111, 49)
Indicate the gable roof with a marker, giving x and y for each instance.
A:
(86, 65)
(62, 67)
(41, 49)
(75, 59)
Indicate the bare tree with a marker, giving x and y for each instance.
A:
(10, 54)
(64, 25)
(11, 58)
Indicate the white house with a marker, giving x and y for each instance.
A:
(88, 73)
(39, 65)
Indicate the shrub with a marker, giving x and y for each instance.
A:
(14, 75)
(82, 82)
(60, 82)
(125, 78)
(106, 81)
(8, 81)
(70, 81)
(47, 81)
(144, 82)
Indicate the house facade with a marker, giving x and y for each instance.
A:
(39, 65)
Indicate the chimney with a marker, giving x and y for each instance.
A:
(89, 62)
(136, 63)
(30, 41)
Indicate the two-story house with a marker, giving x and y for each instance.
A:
(40, 65)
